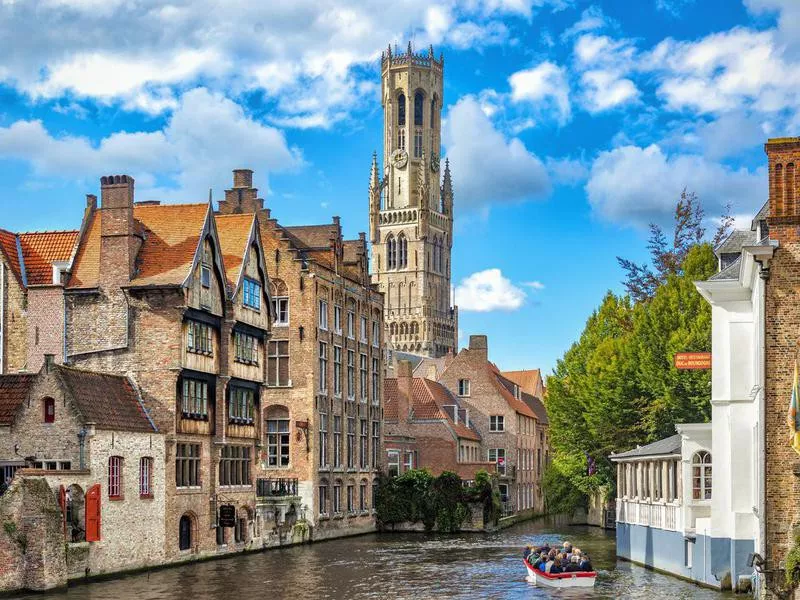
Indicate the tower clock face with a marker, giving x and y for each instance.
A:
(399, 158)
(434, 162)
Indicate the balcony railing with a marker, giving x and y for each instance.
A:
(275, 488)
(660, 515)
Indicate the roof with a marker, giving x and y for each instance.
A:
(529, 379)
(666, 447)
(40, 249)
(13, 392)
(729, 272)
(234, 233)
(414, 359)
(108, 401)
(761, 215)
(424, 364)
(171, 236)
(537, 406)
(312, 236)
(8, 246)
(737, 239)
(506, 388)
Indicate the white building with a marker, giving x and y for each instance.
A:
(704, 525)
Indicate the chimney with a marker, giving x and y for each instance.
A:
(242, 197)
(118, 240)
(479, 345)
(405, 383)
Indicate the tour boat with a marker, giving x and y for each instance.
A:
(560, 580)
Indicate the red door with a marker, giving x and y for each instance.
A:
(93, 513)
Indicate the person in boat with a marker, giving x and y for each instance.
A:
(540, 562)
(586, 564)
(526, 553)
(573, 565)
(556, 567)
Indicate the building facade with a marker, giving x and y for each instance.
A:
(410, 212)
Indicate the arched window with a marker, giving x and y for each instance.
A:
(701, 476)
(419, 98)
(401, 110)
(185, 533)
(391, 249)
(789, 187)
(402, 251)
(49, 409)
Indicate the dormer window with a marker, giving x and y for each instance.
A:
(251, 294)
(205, 276)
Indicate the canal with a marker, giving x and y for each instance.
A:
(396, 566)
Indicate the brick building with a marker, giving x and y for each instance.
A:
(325, 378)
(511, 422)
(89, 436)
(427, 427)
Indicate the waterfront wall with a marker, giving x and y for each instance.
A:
(716, 562)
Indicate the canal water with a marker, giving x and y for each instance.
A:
(413, 566)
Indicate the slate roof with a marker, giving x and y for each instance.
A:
(40, 249)
(422, 368)
(108, 401)
(234, 233)
(667, 447)
(735, 241)
(761, 215)
(537, 406)
(13, 392)
(171, 235)
(728, 273)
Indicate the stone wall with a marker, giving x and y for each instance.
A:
(15, 322)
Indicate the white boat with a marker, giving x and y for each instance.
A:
(560, 580)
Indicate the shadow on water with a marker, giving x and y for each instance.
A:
(403, 566)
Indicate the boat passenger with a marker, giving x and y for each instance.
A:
(541, 561)
(573, 565)
(527, 552)
(586, 564)
(555, 568)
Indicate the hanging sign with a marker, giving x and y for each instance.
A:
(692, 360)
(227, 515)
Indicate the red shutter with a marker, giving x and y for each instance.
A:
(62, 498)
(93, 513)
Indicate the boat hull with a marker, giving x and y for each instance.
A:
(560, 580)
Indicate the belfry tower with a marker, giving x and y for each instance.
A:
(410, 212)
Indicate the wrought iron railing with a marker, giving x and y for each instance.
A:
(273, 488)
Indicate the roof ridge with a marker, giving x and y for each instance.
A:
(92, 372)
(42, 231)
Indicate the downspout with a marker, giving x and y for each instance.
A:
(82, 447)
(762, 434)
(64, 334)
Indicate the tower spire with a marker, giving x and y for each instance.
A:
(374, 197)
(447, 189)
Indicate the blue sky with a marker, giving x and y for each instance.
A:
(569, 125)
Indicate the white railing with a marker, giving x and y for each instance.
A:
(659, 515)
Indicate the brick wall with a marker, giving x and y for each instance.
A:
(15, 322)
(45, 324)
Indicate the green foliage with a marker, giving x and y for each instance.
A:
(793, 564)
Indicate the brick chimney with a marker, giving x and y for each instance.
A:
(119, 242)
(242, 197)
(783, 155)
(479, 346)
(405, 384)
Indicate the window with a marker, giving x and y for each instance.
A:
(278, 442)
(252, 294)
(364, 329)
(408, 462)
(323, 498)
(402, 251)
(401, 109)
(351, 442)
(401, 141)
(205, 276)
(278, 363)
(234, 466)
(49, 408)
(701, 476)
(498, 457)
(281, 310)
(323, 367)
(463, 387)
(115, 477)
(363, 376)
(337, 497)
(376, 442)
(337, 441)
(245, 348)
(323, 440)
(363, 449)
(146, 477)
(376, 334)
(362, 496)
(351, 498)
(199, 338)
(433, 112)
(337, 319)
(418, 143)
(418, 107)
(323, 315)
(497, 423)
(187, 465)
(241, 406)
(351, 324)
(393, 462)
(351, 374)
(391, 252)
(337, 370)
(375, 381)
(194, 400)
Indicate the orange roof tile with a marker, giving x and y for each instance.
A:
(171, 232)
(8, 246)
(529, 380)
(40, 249)
(234, 233)
(502, 384)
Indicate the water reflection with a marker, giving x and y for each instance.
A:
(396, 566)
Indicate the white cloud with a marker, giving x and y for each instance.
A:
(534, 285)
(488, 167)
(591, 19)
(567, 171)
(605, 90)
(544, 85)
(205, 136)
(488, 290)
(635, 186)
(605, 64)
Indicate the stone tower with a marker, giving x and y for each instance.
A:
(411, 212)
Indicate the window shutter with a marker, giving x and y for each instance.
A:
(93, 513)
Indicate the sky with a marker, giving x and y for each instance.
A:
(569, 125)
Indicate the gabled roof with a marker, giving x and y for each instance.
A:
(312, 236)
(234, 234)
(537, 406)
(761, 215)
(735, 241)
(670, 446)
(105, 400)
(506, 389)
(730, 272)
(13, 392)
(171, 236)
(423, 367)
(40, 249)
(529, 379)
(8, 246)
